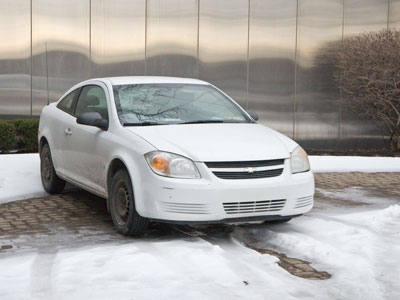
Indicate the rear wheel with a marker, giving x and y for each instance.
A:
(50, 181)
(122, 205)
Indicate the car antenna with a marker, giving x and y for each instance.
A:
(47, 77)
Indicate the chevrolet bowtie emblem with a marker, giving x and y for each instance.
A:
(250, 170)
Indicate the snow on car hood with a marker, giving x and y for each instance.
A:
(216, 142)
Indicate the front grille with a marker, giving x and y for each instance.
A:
(246, 175)
(254, 206)
(247, 169)
(245, 164)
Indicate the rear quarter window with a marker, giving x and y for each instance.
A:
(66, 104)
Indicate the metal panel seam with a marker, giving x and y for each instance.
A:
(31, 61)
(198, 38)
(248, 54)
(145, 37)
(295, 70)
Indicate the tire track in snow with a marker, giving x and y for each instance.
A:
(41, 274)
(247, 263)
(256, 274)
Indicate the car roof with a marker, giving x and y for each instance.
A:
(149, 79)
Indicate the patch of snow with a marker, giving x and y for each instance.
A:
(383, 220)
(361, 250)
(20, 177)
(175, 269)
(327, 164)
(16, 276)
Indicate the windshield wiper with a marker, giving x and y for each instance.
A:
(146, 123)
(151, 123)
(203, 121)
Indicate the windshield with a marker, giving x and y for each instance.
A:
(159, 104)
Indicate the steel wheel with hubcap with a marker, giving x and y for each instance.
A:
(50, 181)
(122, 203)
(123, 213)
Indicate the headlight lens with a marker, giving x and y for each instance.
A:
(171, 165)
(299, 161)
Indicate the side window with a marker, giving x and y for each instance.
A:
(66, 104)
(92, 99)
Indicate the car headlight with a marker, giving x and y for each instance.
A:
(299, 161)
(171, 165)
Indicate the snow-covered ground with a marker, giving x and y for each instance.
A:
(20, 173)
(20, 177)
(358, 245)
(360, 249)
(325, 164)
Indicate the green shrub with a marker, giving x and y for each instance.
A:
(8, 136)
(27, 134)
(19, 135)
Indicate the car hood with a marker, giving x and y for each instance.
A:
(216, 142)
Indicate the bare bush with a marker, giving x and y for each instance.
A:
(368, 70)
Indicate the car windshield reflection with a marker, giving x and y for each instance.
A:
(167, 104)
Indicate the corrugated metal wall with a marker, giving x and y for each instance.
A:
(267, 54)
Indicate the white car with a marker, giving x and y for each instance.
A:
(173, 150)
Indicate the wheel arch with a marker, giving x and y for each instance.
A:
(43, 141)
(115, 165)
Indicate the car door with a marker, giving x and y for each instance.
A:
(85, 147)
(60, 117)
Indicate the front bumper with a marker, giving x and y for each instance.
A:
(214, 200)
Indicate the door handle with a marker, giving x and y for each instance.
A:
(68, 131)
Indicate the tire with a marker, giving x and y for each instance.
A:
(278, 221)
(50, 181)
(122, 206)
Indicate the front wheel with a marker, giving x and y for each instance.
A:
(50, 181)
(122, 205)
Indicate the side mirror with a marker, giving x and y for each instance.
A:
(253, 114)
(92, 119)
